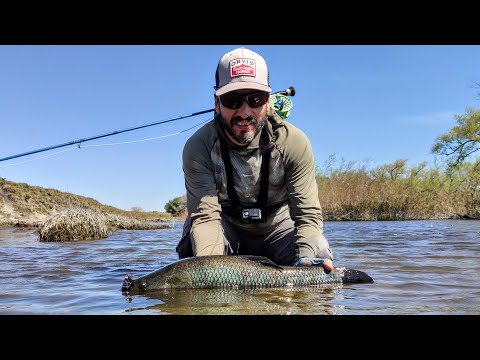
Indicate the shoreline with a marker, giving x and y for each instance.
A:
(25, 225)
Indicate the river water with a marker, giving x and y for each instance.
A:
(419, 267)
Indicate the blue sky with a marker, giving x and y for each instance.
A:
(374, 104)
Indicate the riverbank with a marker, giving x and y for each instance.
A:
(358, 192)
(26, 206)
(346, 194)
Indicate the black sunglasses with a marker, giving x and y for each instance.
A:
(235, 101)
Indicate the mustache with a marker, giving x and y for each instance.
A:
(237, 119)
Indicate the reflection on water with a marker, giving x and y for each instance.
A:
(419, 267)
(243, 302)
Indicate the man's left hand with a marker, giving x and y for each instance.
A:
(306, 261)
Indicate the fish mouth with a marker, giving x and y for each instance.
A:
(128, 283)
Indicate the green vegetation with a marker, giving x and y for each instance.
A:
(177, 206)
(462, 140)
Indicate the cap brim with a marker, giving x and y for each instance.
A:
(242, 85)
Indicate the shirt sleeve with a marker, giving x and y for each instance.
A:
(303, 198)
(202, 201)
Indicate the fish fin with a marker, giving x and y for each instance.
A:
(354, 276)
(262, 260)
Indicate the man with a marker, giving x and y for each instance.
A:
(250, 176)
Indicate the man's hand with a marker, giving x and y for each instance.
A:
(306, 261)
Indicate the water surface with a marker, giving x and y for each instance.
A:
(419, 267)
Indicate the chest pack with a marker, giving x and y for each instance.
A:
(258, 212)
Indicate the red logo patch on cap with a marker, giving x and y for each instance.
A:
(242, 67)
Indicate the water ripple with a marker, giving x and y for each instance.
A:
(419, 267)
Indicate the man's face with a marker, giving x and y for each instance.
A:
(243, 122)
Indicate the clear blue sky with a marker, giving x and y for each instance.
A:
(377, 103)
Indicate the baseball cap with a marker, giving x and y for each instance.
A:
(241, 69)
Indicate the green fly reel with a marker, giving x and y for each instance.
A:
(281, 104)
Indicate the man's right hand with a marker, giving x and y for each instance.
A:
(306, 261)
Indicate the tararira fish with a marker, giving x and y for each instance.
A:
(238, 272)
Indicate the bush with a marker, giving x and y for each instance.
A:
(177, 205)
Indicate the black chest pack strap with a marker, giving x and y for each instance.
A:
(259, 212)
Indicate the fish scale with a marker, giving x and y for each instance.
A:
(239, 271)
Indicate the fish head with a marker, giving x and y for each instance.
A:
(127, 283)
(157, 280)
(178, 279)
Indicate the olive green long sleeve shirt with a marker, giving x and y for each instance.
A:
(291, 181)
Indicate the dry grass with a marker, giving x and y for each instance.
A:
(123, 222)
(74, 225)
(26, 205)
(397, 192)
(77, 224)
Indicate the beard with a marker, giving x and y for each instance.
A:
(243, 137)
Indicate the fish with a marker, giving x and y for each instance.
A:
(237, 272)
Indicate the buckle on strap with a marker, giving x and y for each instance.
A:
(259, 215)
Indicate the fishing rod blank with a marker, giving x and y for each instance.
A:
(104, 135)
(279, 101)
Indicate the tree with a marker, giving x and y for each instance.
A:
(393, 170)
(462, 140)
(136, 209)
(476, 84)
(177, 205)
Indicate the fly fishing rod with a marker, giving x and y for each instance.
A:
(279, 101)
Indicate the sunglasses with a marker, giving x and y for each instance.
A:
(235, 101)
